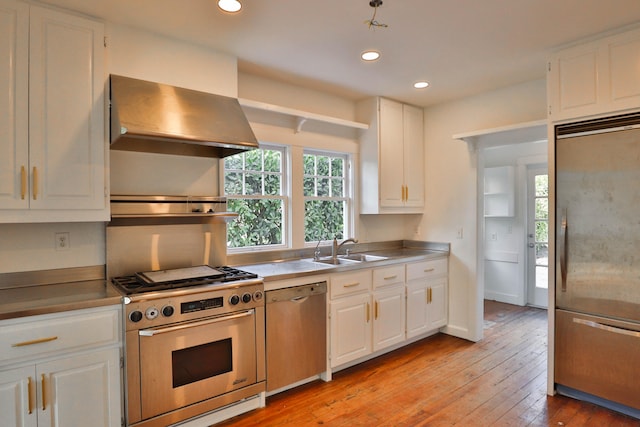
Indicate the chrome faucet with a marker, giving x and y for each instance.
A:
(336, 247)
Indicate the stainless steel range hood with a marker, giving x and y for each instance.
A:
(158, 118)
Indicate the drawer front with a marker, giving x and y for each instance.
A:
(425, 269)
(350, 283)
(43, 335)
(388, 276)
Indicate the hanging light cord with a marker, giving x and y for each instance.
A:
(372, 22)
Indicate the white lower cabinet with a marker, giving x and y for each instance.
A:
(79, 388)
(367, 312)
(426, 296)
(388, 317)
(350, 328)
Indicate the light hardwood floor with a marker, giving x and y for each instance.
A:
(443, 381)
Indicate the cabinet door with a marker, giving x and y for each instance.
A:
(388, 315)
(391, 154)
(437, 308)
(417, 317)
(413, 156)
(81, 390)
(350, 328)
(624, 57)
(17, 397)
(14, 94)
(574, 85)
(66, 111)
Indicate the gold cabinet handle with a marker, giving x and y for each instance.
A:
(35, 183)
(406, 193)
(351, 285)
(29, 401)
(368, 312)
(429, 295)
(429, 270)
(390, 277)
(23, 182)
(38, 341)
(44, 394)
(375, 315)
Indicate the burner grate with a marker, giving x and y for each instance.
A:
(134, 284)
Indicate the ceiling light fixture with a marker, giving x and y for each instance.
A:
(230, 6)
(370, 55)
(421, 85)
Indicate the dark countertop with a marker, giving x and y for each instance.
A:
(23, 300)
(291, 269)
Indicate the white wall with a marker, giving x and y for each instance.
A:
(450, 170)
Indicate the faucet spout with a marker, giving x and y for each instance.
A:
(335, 249)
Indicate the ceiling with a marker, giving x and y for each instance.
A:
(462, 47)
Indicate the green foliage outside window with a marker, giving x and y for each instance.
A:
(255, 179)
(325, 206)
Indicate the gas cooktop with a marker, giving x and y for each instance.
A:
(159, 280)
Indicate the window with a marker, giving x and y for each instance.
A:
(327, 205)
(254, 183)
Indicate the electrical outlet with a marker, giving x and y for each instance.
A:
(459, 234)
(494, 236)
(62, 241)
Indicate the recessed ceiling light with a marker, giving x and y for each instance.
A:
(229, 5)
(370, 55)
(420, 85)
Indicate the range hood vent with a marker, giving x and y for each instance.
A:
(158, 118)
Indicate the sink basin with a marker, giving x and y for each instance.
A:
(349, 259)
(362, 257)
(337, 261)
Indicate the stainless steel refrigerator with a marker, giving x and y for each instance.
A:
(597, 247)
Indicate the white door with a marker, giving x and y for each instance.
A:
(82, 390)
(537, 235)
(14, 109)
(17, 397)
(388, 317)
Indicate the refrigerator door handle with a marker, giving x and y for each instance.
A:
(563, 250)
(607, 328)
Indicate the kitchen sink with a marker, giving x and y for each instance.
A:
(349, 259)
(337, 261)
(362, 257)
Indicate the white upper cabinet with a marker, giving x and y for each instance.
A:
(52, 121)
(391, 157)
(595, 78)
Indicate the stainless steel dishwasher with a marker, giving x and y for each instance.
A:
(296, 334)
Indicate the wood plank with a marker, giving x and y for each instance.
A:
(443, 381)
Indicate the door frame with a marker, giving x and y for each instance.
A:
(530, 285)
(477, 141)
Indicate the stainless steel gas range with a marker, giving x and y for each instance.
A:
(194, 334)
(194, 341)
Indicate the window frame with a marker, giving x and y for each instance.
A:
(285, 197)
(348, 193)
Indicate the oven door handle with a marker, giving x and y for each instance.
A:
(152, 332)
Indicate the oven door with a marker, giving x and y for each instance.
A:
(188, 362)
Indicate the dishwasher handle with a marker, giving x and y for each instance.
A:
(297, 294)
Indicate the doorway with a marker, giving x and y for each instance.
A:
(537, 236)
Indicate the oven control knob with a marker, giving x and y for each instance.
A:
(234, 299)
(167, 311)
(258, 295)
(135, 316)
(246, 297)
(151, 313)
